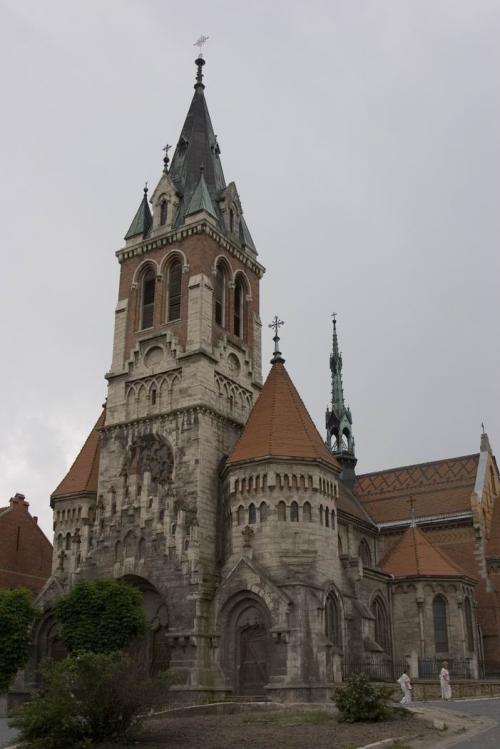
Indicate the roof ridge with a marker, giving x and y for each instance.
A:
(416, 465)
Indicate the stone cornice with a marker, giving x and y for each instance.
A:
(170, 416)
(177, 235)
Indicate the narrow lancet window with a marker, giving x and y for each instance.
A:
(239, 308)
(174, 290)
(163, 212)
(148, 299)
(220, 295)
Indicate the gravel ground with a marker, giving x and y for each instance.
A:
(315, 729)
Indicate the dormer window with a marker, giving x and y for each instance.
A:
(163, 212)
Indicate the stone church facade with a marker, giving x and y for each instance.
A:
(266, 564)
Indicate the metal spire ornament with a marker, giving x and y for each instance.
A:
(166, 159)
(200, 61)
(276, 324)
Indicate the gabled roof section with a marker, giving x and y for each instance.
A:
(197, 147)
(142, 221)
(83, 474)
(279, 425)
(201, 200)
(245, 236)
(439, 487)
(349, 503)
(415, 556)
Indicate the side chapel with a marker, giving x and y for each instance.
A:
(267, 566)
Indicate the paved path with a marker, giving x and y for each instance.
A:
(484, 708)
(7, 735)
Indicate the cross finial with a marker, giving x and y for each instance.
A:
(145, 188)
(276, 324)
(482, 426)
(166, 158)
(200, 61)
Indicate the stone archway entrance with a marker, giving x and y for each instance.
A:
(153, 648)
(252, 651)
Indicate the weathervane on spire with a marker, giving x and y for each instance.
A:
(276, 325)
(199, 43)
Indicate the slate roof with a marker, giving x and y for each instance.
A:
(349, 503)
(439, 487)
(197, 147)
(415, 556)
(83, 474)
(279, 425)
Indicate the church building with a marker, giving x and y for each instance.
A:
(267, 565)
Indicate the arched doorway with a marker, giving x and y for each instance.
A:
(153, 648)
(252, 636)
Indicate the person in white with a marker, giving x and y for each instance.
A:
(405, 684)
(444, 678)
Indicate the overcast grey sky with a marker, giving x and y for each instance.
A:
(363, 137)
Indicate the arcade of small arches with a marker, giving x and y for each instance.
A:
(253, 513)
(284, 481)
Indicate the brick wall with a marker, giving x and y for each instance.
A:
(25, 552)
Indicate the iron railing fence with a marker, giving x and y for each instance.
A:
(459, 668)
(376, 668)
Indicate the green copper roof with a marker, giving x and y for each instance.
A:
(201, 200)
(143, 219)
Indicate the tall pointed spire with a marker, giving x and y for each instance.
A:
(197, 146)
(340, 438)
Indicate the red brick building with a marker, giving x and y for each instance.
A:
(25, 551)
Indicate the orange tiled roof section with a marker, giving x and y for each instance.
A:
(415, 556)
(82, 476)
(493, 545)
(279, 425)
(440, 487)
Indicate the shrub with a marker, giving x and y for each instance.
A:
(87, 699)
(16, 617)
(100, 616)
(362, 701)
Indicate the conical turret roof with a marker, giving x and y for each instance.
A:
(83, 474)
(142, 221)
(414, 555)
(279, 426)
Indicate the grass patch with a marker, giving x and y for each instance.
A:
(287, 718)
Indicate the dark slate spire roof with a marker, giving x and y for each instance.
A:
(197, 147)
(142, 220)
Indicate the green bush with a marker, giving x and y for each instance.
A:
(362, 701)
(88, 699)
(100, 616)
(16, 617)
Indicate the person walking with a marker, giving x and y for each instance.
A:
(444, 679)
(405, 684)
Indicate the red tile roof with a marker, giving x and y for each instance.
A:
(440, 487)
(279, 425)
(415, 556)
(83, 474)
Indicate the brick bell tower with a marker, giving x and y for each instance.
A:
(185, 372)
